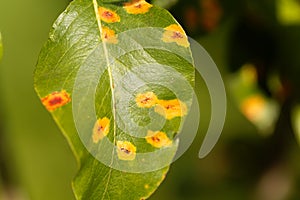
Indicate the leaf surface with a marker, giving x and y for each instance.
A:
(117, 79)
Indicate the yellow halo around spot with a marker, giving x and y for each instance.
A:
(108, 15)
(137, 7)
(108, 35)
(55, 100)
(146, 100)
(101, 129)
(158, 139)
(171, 108)
(126, 150)
(174, 33)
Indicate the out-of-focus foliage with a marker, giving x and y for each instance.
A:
(288, 12)
(257, 107)
(1, 47)
(254, 44)
(164, 3)
(36, 162)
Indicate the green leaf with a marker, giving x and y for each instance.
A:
(109, 75)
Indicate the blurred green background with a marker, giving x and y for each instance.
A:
(255, 44)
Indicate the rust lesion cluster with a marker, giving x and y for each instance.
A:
(175, 33)
(56, 100)
(110, 16)
(132, 7)
(167, 108)
(108, 35)
(126, 150)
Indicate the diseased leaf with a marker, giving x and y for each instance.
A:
(117, 79)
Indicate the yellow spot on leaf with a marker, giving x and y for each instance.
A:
(158, 139)
(171, 108)
(253, 106)
(146, 186)
(126, 150)
(108, 16)
(56, 100)
(109, 35)
(174, 33)
(146, 100)
(137, 7)
(101, 129)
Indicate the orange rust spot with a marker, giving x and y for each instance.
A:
(146, 100)
(137, 7)
(55, 100)
(108, 35)
(158, 139)
(126, 150)
(101, 129)
(171, 108)
(108, 15)
(174, 33)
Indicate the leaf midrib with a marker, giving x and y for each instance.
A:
(109, 69)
